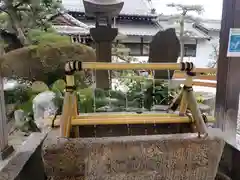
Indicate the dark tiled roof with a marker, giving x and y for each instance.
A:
(130, 7)
(190, 31)
(211, 25)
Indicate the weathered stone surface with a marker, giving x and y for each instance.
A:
(163, 157)
(165, 47)
(15, 167)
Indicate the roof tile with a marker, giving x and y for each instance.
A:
(130, 7)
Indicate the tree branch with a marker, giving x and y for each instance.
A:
(18, 4)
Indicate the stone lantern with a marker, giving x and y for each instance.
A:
(103, 34)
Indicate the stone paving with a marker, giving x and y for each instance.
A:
(16, 139)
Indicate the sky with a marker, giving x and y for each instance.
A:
(212, 8)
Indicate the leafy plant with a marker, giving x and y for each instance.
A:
(200, 99)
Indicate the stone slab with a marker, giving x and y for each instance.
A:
(17, 162)
(6, 152)
(159, 157)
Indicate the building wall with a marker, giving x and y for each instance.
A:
(205, 50)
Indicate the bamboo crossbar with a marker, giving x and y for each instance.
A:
(140, 66)
(121, 115)
(130, 66)
(77, 65)
(130, 120)
(121, 119)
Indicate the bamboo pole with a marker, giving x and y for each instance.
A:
(184, 102)
(118, 120)
(75, 114)
(132, 66)
(64, 118)
(130, 120)
(75, 108)
(176, 101)
(68, 108)
(122, 115)
(140, 66)
(183, 105)
(67, 115)
(193, 106)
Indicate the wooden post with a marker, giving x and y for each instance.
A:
(5, 149)
(228, 86)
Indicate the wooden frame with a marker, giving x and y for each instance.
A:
(69, 117)
(5, 149)
(3, 121)
(199, 80)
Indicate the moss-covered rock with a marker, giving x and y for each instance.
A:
(44, 62)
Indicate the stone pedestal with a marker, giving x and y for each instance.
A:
(103, 36)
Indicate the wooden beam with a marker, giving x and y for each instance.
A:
(5, 149)
(228, 86)
(141, 46)
(181, 75)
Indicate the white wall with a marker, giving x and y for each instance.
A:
(205, 50)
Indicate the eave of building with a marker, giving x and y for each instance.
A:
(136, 29)
(75, 27)
(190, 31)
(71, 30)
(205, 25)
(66, 19)
(209, 25)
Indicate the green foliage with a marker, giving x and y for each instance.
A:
(116, 94)
(27, 105)
(21, 16)
(21, 96)
(85, 97)
(38, 36)
(17, 95)
(100, 93)
(33, 13)
(200, 99)
(5, 21)
(59, 85)
(45, 62)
